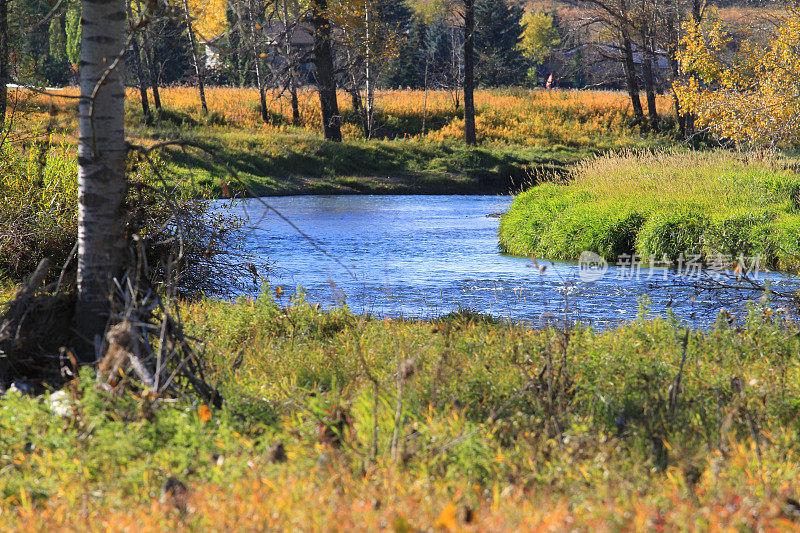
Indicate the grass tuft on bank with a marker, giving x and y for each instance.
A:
(663, 203)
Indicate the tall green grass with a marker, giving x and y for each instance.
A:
(38, 199)
(663, 204)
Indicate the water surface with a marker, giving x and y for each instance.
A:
(423, 256)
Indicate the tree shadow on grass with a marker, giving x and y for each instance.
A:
(495, 169)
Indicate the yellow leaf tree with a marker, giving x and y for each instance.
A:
(210, 18)
(371, 36)
(745, 87)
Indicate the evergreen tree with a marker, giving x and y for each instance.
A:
(171, 52)
(408, 69)
(429, 43)
(442, 73)
(73, 31)
(498, 31)
(29, 43)
(54, 68)
(58, 48)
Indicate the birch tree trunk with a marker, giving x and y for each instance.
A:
(370, 110)
(101, 164)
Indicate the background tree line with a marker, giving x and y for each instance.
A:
(375, 44)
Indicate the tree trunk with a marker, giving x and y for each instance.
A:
(101, 165)
(3, 61)
(149, 60)
(326, 82)
(675, 74)
(630, 78)
(262, 93)
(649, 83)
(455, 69)
(137, 66)
(295, 102)
(355, 101)
(425, 99)
(469, 72)
(292, 74)
(369, 112)
(195, 59)
(698, 10)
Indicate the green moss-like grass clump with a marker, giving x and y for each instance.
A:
(663, 204)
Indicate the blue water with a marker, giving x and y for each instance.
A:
(422, 256)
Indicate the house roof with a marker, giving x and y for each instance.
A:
(302, 36)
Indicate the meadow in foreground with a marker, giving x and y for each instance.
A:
(334, 421)
(660, 204)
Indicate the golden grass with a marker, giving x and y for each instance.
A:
(332, 499)
(486, 445)
(517, 116)
(678, 176)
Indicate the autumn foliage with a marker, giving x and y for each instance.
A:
(742, 85)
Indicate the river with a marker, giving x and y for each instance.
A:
(423, 256)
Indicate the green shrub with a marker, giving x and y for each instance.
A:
(743, 232)
(672, 233)
(38, 219)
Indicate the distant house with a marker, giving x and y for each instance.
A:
(302, 37)
(212, 57)
(302, 43)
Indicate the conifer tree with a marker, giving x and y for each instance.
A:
(498, 32)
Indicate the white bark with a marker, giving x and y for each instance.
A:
(101, 161)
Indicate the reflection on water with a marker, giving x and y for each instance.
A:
(422, 256)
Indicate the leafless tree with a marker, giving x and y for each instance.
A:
(137, 67)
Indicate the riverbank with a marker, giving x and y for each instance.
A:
(282, 164)
(461, 422)
(664, 204)
(416, 148)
